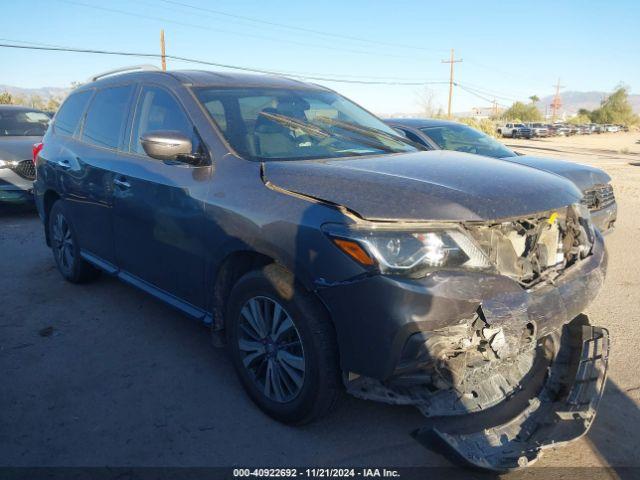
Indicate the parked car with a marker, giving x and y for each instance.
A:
(539, 130)
(20, 128)
(329, 252)
(514, 130)
(593, 182)
(561, 130)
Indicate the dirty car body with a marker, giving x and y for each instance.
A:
(594, 183)
(450, 279)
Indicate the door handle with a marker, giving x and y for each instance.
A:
(121, 182)
(64, 164)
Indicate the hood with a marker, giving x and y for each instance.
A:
(583, 176)
(436, 185)
(17, 147)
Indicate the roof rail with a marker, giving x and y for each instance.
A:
(116, 71)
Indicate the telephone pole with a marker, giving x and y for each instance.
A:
(164, 59)
(557, 102)
(451, 61)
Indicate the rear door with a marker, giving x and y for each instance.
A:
(158, 207)
(89, 164)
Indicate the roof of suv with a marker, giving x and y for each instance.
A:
(201, 78)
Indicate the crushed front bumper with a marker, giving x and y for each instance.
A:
(375, 317)
(563, 410)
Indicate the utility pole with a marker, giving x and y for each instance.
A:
(495, 107)
(557, 102)
(164, 59)
(451, 61)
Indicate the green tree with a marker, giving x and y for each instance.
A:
(534, 99)
(35, 101)
(523, 113)
(615, 109)
(484, 125)
(579, 119)
(6, 98)
(52, 105)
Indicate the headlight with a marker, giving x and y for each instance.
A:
(413, 253)
(8, 163)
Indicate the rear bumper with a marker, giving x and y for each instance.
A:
(376, 316)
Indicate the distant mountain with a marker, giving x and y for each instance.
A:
(45, 93)
(573, 101)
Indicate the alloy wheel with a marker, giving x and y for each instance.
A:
(63, 243)
(271, 349)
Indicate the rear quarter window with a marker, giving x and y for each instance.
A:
(68, 116)
(107, 117)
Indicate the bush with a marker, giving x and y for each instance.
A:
(484, 125)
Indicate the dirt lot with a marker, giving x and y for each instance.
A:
(102, 374)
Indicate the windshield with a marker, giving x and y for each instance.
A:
(288, 124)
(23, 123)
(462, 138)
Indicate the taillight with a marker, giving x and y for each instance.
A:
(35, 150)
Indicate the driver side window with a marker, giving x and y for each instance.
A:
(158, 110)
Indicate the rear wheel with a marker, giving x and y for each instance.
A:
(283, 346)
(66, 251)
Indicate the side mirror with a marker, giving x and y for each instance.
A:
(167, 145)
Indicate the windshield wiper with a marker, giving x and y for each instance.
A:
(368, 131)
(295, 123)
(320, 132)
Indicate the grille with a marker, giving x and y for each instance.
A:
(599, 197)
(26, 169)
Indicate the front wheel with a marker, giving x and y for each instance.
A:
(283, 346)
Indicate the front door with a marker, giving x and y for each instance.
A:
(159, 208)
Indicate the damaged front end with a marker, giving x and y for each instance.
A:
(523, 370)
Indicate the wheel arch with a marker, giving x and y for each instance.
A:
(50, 197)
(235, 265)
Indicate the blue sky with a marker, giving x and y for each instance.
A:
(509, 49)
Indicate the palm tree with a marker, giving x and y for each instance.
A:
(534, 99)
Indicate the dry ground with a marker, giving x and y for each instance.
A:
(123, 380)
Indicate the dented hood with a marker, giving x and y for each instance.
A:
(583, 176)
(422, 186)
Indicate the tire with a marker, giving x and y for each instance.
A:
(514, 134)
(65, 248)
(313, 386)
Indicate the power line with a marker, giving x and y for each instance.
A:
(231, 32)
(411, 80)
(474, 93)
(215, 64)
(296, 28)
(491, 93)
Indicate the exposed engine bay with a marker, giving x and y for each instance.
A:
(540, 247)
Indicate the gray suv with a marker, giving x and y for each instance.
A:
(329, 254)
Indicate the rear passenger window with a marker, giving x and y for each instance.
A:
(158, 110)
(68, 116)
(107, 117)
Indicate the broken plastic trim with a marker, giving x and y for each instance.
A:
(563, 410)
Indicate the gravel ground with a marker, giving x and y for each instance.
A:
(102, 374)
